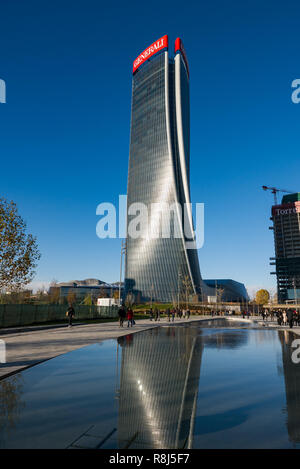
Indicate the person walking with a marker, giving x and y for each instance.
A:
(290, 317)
(122, 315)
(157, 314)
(280, 318)
(168, 313)
(284, 318)
(188, 313)
(173, 314)
(70, 313)
(130, 317)
(151, 314)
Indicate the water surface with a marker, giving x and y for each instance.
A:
(200, 385)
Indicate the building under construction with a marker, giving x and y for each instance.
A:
(286, 226)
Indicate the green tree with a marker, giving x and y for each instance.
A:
(54, 293)
(18, 249)
(88, 300)
(262, 297)
(116, 294)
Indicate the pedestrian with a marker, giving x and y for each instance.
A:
(279, 319)
(284, 318)
(130, 317)
(188, 313)
(173, 314)
(122, 315)
(168, 313)
(295, 317)
(151, 314)
(70, 313)
(290, 317)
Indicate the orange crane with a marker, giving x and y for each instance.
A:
(274, 191)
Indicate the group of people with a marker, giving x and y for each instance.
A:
(288, 317)
(154, 314)
(226, 312)
(170, 313)
(126, 313)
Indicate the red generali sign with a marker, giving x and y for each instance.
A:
(286, 209)
(179, 46)
(151, 50)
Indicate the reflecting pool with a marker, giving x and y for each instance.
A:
(199, 385)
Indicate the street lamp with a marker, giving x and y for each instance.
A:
(295, 291)
(178, 287)
(123, 251)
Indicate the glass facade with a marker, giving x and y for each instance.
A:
(155, 267)
(286, 224)
(159, 382)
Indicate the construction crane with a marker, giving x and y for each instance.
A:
(274, 191)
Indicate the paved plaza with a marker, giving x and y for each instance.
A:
(28, 346)
(31, 345)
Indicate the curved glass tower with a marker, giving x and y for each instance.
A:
(156, 267)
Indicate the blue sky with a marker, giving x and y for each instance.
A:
(64, 131)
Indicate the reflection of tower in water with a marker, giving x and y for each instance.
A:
(159, 382)
(292, 386)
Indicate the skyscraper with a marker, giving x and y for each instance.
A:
(286, 226)
(159, 165)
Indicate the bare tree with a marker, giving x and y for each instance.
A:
(187, 288)
(219, 293)
(71, 297)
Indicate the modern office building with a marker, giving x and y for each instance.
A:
(228, 290)
(159, 165)
(286, 226)
(81, 288)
